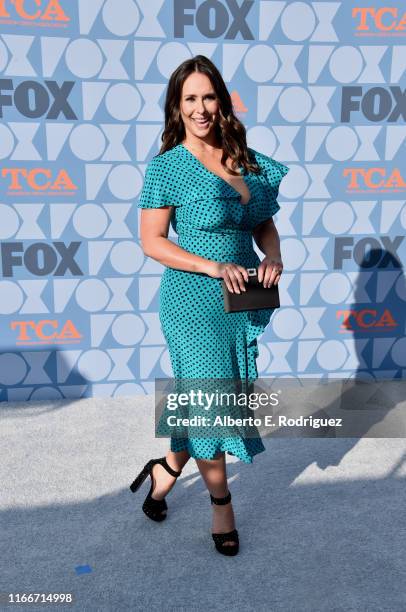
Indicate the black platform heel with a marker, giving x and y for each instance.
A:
(153, 508)
(230, 536)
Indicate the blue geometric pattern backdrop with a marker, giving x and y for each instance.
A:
(320, 86)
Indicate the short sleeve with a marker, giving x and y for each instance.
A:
(273, 173)
(160, 185)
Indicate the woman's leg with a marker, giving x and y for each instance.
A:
(163, 481)
(214, 474)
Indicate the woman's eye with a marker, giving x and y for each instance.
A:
(192, 99)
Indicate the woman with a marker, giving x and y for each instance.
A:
(217, 194)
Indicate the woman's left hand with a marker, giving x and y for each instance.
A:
(270, 270)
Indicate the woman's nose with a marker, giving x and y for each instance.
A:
(201, 108)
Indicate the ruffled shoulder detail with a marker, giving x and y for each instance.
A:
(162, 183)
(273, 172)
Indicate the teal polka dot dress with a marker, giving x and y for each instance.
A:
(203, 340)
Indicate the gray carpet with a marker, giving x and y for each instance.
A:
(321, 521)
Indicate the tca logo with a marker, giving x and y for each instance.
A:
(46, 10)
(365, 319)
(37, 179)
(374, 179)
(32, 332)
(384, 19)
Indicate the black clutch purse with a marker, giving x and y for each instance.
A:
(256, 296)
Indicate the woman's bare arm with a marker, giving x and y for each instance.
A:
(155, 243)
(267, 238)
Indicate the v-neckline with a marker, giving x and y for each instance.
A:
(220, 177)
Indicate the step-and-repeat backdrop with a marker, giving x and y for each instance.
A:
(320, 86)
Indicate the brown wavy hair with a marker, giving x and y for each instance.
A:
(230, 131)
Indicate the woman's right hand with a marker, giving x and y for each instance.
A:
(233, 275)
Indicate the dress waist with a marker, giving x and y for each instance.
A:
(223, 246)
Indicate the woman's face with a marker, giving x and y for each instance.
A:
(198, 106)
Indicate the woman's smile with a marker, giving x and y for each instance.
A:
(202, 124)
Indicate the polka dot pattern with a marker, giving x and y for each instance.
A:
(210, 220)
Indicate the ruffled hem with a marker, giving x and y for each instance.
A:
(258, 320)
(245, 450)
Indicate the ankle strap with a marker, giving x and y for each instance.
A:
(168, 468)
(221, 501)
